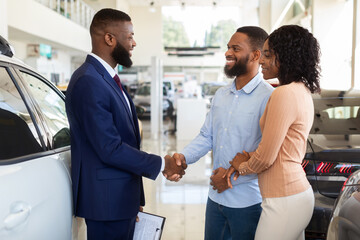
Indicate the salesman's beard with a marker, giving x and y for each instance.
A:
(240, 68)
(121, 56)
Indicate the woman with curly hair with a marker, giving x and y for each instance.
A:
(291, 54)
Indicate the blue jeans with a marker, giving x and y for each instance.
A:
(224, 223)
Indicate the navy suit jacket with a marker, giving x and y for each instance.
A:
(107, 165)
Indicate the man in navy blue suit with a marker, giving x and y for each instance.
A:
(107, 163)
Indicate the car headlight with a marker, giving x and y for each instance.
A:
(345, 222)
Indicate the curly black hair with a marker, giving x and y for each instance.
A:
(298, 54)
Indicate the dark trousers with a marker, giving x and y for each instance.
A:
(110, 230)
(224, 223)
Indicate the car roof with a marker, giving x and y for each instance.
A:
(15, 61)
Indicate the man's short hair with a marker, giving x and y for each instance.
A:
(256, 35)
(106, 17)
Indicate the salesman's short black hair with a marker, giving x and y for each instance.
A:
(105, 17)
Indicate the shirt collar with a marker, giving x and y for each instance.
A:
(108, 68)
(250, 86)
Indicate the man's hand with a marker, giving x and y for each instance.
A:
(172, 171)
(217, 181)
(180, 160)
(228, 173)
(239, 159)
(235, 164)
(140, 210)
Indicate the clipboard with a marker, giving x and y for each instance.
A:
(149, 227)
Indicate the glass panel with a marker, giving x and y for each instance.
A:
(53, 109)
(344, 112)
(338, 116)
(18, 136)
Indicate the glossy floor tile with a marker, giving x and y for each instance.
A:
(182, 203)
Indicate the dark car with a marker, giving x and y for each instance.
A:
(333, 153)
(142, 98)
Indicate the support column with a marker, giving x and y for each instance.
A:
(156, 97)
(355, 56)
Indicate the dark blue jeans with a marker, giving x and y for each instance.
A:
(224, 223)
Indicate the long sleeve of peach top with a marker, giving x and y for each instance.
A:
(285, 126)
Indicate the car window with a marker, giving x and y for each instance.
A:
(343, 112)
(53, 109)
(143, 90)
(336, 116)
(168, 85)
(18, 135)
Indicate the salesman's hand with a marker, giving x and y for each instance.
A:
(172, 171)
(217, 181)
(140, 210)
(180, 160)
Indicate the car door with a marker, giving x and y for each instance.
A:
(35, 185)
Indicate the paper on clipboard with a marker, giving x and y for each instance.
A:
(149, 227)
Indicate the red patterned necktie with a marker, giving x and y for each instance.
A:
(117, 80)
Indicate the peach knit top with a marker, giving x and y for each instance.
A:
(285, 126)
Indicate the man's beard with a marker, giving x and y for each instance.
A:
(121, 56)
(240, 68)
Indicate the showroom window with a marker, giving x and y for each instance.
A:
(52, 106)
(18, 136)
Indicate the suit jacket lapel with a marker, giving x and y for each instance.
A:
(102, 71)
(134, 116)
(123, 100)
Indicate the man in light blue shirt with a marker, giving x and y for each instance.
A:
(231, 126)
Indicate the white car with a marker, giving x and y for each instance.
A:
(35, 183)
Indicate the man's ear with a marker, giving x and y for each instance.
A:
(255, 55)
(109, 39)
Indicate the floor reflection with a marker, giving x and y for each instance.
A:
(182, 203)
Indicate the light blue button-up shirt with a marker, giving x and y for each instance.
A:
(231, 126)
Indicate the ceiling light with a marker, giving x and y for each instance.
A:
(182, 5)
(214, 4)
(152, 7)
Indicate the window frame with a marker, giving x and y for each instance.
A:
(34, 111)
(48, 137)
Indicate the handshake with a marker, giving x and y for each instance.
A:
(174, 167)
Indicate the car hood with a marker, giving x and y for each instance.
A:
(142, 100)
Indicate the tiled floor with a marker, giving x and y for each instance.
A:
(182, 203)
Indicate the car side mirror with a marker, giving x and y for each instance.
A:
(62, 138)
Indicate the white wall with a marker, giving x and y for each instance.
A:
(333, 29)
(249, 13)
(20, 48)
(148, 34)
(33, 18)
(3, 19)
(60, 64)
(123, 5)
(269, 12)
